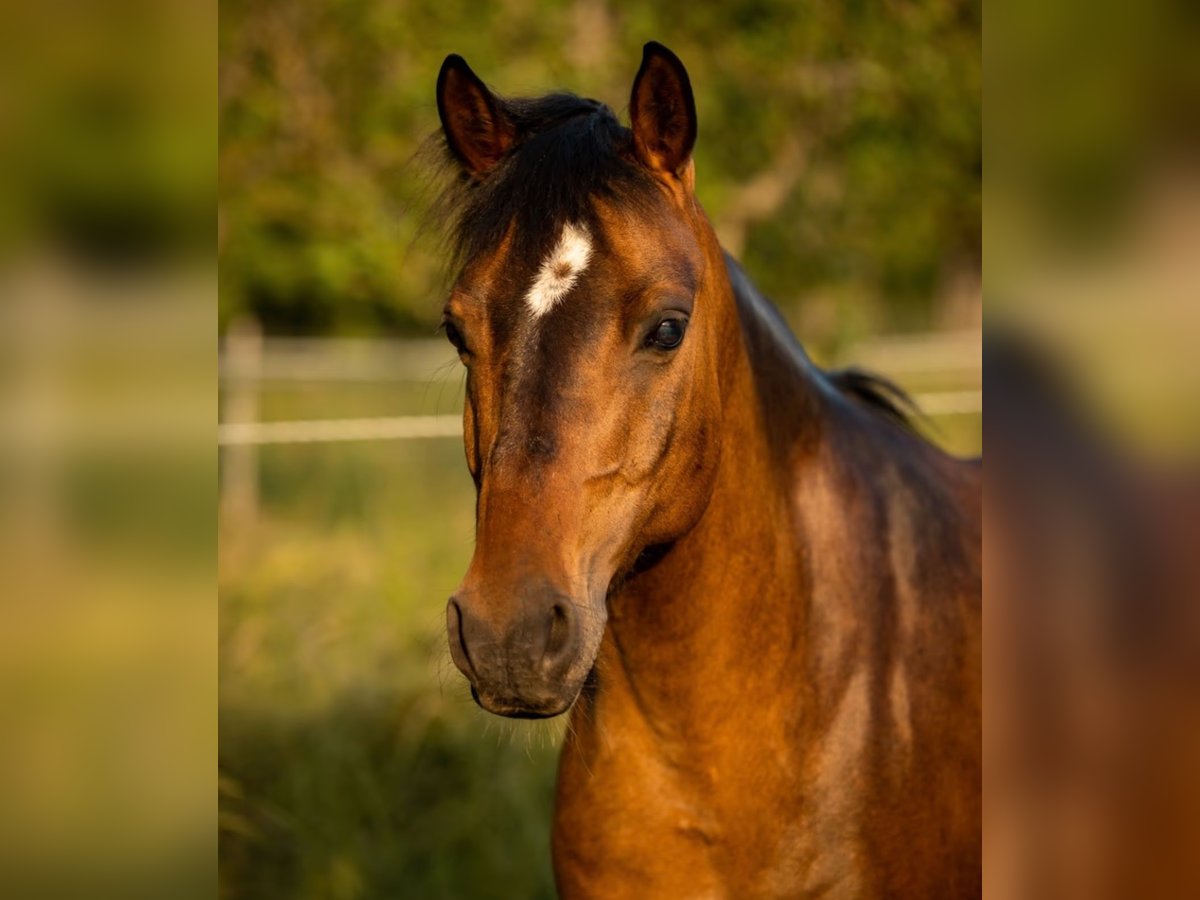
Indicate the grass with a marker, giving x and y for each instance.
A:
(352, 760)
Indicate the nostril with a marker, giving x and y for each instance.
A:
(455, 624)
(561, 634)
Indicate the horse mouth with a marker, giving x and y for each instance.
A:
(513, 708)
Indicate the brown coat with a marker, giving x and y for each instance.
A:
(756, 590)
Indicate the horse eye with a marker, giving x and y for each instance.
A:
(668, 334)
(454, 336)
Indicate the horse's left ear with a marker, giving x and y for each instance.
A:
(663, 112)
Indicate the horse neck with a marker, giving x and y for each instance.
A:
(728, 597)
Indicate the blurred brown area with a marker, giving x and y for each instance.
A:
(1092, 493)
(1092, 659)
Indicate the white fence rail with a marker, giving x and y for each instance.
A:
(382, 360)
(395, 428)
(233, 434)
(249, 364)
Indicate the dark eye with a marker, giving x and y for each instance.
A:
(668, 334)
(454, 336)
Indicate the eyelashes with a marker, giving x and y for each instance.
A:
(455, 336)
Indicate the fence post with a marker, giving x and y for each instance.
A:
(239, 476)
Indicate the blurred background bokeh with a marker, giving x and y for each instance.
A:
(107, 463)
(839, 157)
(840, 151)
(1092, 496)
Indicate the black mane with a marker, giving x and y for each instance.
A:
(569, 150)
(879, 394)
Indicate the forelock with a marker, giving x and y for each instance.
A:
(569, 152)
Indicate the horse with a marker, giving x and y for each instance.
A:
(752, 584)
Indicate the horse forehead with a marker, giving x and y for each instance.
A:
(581, 267)
(621, 246)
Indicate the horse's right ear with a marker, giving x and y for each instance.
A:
(478, 131)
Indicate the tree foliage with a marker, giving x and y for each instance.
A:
(839, 154)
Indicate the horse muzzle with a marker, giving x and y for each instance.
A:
(524, 665)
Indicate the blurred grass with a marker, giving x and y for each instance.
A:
(353, 762)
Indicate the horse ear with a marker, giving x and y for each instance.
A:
(663, 111)
(477, 129)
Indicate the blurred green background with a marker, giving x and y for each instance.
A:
(839, 157)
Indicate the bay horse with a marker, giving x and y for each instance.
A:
(754, 587)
